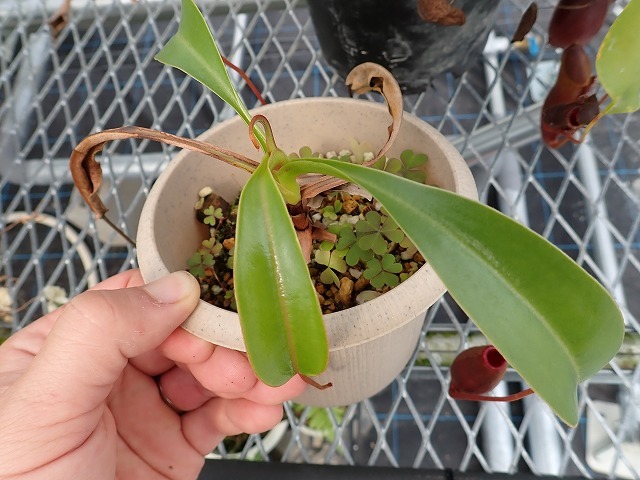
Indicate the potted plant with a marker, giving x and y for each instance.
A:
(572, 103)
(415, 39)
(388, 328)
(551, 320)
(419, 39)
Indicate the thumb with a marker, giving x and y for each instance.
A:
(96, 334)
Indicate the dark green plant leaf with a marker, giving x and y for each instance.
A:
(618, 61)
(279, 311)
(552, 321)
(193, 50)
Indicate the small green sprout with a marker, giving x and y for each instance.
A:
(304, 152)
(333, 259)
(212, 215)
(380, 163)
(199, 262)
(371, 232)
(347, 240)
(383, 272)
(211, 246)
(407, 166)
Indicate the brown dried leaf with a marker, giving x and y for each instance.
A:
(441, 12)
(87, 173)
(527, 21)
(306, 242)
(364, 78)
(368, 77)
(323, 235)
(300, 221)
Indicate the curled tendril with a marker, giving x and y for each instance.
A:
(266, 126)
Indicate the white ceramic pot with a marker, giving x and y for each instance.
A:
(369, 344)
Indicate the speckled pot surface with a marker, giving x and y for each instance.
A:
(369, 344)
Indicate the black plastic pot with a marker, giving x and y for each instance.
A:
(391, 33)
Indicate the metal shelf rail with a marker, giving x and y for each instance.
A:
(99, 72)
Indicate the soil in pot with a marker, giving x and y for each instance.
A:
(355, 251)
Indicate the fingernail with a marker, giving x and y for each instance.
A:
(172, 288)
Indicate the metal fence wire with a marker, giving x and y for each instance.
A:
(99, 73)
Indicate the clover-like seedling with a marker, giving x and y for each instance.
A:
(333, 259)
(380, 163)
(212, 215)
(199, 262)
(211, 246)
(407, 166)
(371, 232)
(331, 212)
(383, 272)
(304, 152)
(347, 240)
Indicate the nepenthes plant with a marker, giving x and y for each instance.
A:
(550, 319)
(571, 104)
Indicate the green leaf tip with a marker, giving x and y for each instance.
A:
(618, 61)
(194, 51)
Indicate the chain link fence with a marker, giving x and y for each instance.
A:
(99, 72)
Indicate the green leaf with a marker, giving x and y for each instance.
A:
(552, 321)
(374, 267)
(391, 231)
(322, 257)
(328, 277)
(279, 311)
(373, 242)
(390, 265)
(355, 254)
(618, 61)
(193, 50)
(346, 238)
(412, 160)
(371, 223)
(337, 261)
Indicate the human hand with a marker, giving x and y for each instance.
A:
(79, 388)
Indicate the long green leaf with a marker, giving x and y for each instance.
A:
(618, 61)
(279, 311)
(552, 321)
(193, 50)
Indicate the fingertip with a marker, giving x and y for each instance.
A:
(266, 395)
(226, 372)
(295, 386)
(184, 347)
(173, 288)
